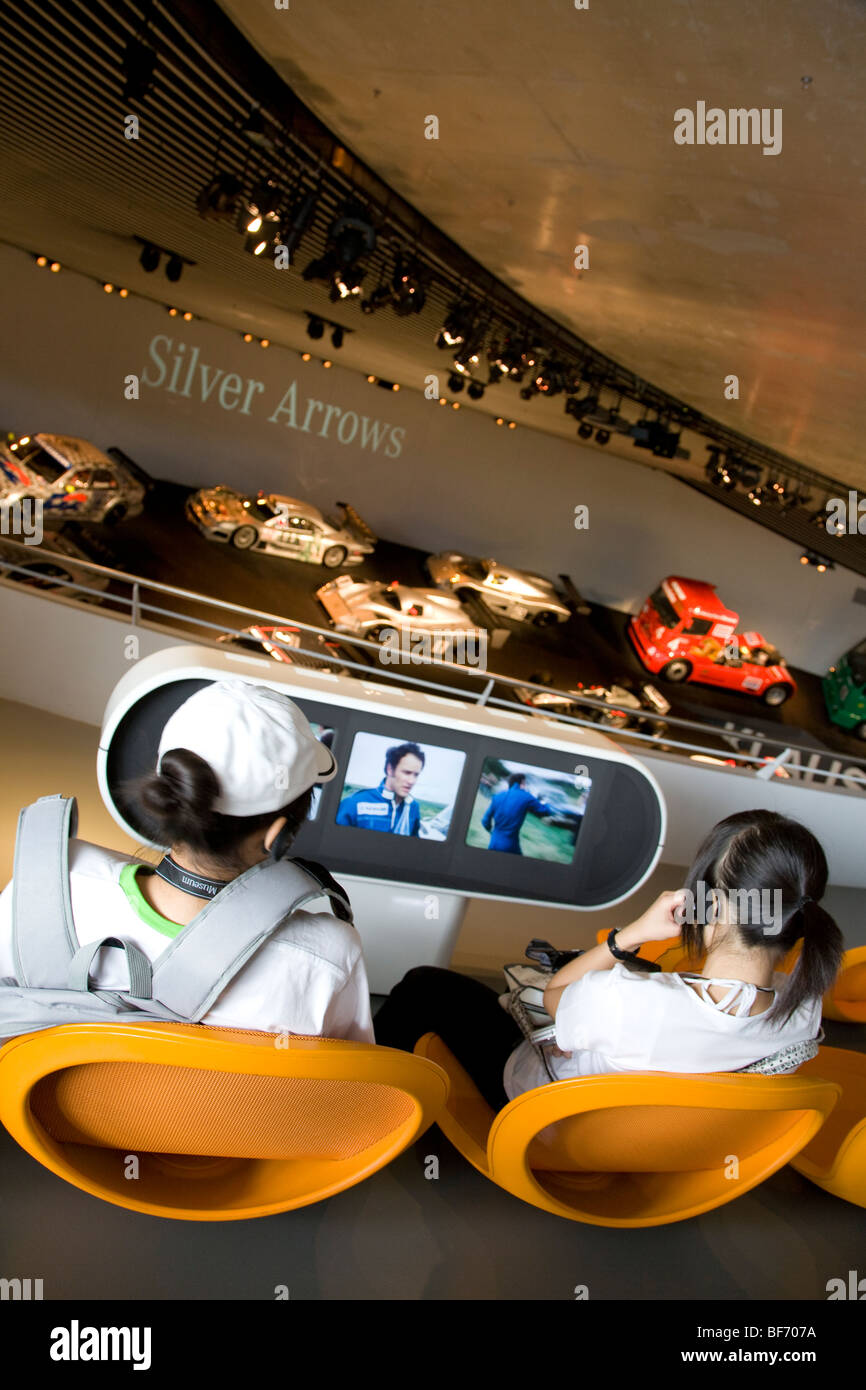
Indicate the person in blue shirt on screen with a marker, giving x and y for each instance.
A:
(390, 806)
(508, 810)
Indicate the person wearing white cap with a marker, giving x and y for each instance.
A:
(236, 768)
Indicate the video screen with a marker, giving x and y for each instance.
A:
(401, 787)
(527, 810)
(325, 735)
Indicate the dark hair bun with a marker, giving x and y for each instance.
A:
(179, 799)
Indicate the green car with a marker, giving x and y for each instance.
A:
(845, 690)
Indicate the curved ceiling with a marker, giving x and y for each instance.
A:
(556, 128)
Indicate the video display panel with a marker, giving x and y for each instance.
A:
(530, 811)
(396, 785)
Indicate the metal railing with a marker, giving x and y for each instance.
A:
(370, 667)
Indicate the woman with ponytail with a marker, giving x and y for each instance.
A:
(763, 877)
(236, 770)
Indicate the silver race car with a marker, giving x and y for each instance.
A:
(509, 592)
(281, 526)
(367, 609)
(52, 566)
(73, 479)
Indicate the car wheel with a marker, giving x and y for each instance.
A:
(860, 732)
(544, 619)
(334, 556)
(244, 537)
(676, 671)
(114, 515)
(776, 695)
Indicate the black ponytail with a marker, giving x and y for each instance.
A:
(178, 805)
(756, 853)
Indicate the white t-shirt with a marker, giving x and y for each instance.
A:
(619, 1020)
(308, 979)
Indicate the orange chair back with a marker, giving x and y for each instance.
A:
(221, 1123)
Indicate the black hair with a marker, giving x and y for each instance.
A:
(517, 779)
(402, 750)
(759, 851)
(178, 802)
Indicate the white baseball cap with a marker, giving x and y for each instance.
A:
(257, 741)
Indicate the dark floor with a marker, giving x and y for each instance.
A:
(401, 1235)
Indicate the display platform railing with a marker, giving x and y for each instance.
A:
(118, 593)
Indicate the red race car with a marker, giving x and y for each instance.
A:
(684, 632)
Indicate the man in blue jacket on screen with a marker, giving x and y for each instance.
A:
(508, 810)
(390, 806)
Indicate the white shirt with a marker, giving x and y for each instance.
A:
(618, 1020)
(309, 978)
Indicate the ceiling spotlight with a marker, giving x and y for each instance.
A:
(247, 337)
(602, 436)
(306, 356)
(580, 407)
(55, 266)
(459, 326)
(187, 316)
(512, 424)
(139, 61)
(350, 237)
(475, 390)
(264, 342)
(150, 257)
(455, 405)
(327, 363)
(550, 377)
(584, 430)
(315, 327)
(499, 420)
(371, 380)
(456, 382)
(408, 287)
(174, 268)
(506, 360)
(395, 386)
(124, 293)
(173, 313)
(337, 337)
(109, 289)
(42, 260)
(220, 199)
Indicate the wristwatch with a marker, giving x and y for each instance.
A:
(631, 958)
(615, 950)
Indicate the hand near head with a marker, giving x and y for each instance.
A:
(658, 923)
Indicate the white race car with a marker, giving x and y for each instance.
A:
(512, 593)
(281, 526)
(369, 609)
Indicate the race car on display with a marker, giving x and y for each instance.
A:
(51, 566)
(626, 704)
(369, 609)
(281, 526)
(512, 593)
(684, 632)
(72, 479)
(283, 643)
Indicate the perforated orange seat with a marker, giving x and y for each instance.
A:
(633, 1149)
(211, 1124)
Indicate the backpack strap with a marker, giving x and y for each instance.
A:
(43, 930)
(137, 997)
(204, 958)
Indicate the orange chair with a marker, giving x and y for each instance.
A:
(836, 1158)
(632, 1149)
(211, 1124)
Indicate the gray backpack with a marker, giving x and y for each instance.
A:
(52, 972)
